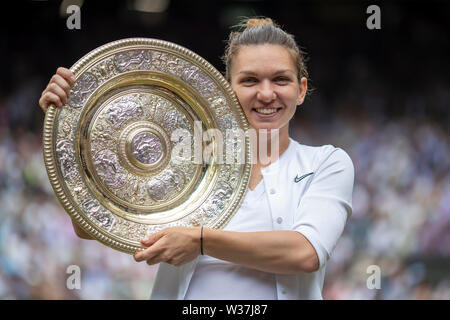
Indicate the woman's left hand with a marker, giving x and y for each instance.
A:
(174, 245)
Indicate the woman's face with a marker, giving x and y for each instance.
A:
(264, 78)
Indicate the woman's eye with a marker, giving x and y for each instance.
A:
(248, 80)
(282, 80)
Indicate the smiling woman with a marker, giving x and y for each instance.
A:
(277, 244)
(297, 205)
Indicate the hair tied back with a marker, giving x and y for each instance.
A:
(251, 23)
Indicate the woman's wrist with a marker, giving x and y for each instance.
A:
(201, 240)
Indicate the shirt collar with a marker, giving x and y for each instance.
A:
(275, 167)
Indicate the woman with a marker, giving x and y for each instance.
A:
(277, 244)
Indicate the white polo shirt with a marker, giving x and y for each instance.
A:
(308, 190)
(233, 281)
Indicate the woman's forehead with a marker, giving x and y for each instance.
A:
(252, 58)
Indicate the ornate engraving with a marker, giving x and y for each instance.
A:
(221, 195)
(129, 229)
(161, 108)
(122, 111)
(148, 103)
(166, 184)
(167, 63)
(101, 216)
(219, 106)
(234, 146)
(127, 149)
(155, 228)
(174, 119)
(103, 137)
(65, 154)
(197, 78)
(80, 192)
(108, 168)
(82, 89)
(132, 60)
(135, 191)
(146, 147)
(104, 70)
(227, 122)
(67, 117)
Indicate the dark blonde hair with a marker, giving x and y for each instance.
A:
(256, 31)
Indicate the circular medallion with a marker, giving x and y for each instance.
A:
(152, 136)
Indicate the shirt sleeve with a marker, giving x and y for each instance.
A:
(327, 204)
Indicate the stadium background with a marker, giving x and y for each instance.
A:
(381, 95)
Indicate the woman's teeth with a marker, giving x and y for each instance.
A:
(266, 110)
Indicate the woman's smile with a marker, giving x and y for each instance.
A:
(266, 112)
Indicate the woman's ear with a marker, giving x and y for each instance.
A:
(303, 87)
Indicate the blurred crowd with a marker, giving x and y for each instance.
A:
(401, 209)
(390, 118)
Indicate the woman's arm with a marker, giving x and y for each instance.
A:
(283, 252)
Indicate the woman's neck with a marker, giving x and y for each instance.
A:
(270, 145)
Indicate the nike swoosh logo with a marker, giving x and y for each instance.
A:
(298, 179)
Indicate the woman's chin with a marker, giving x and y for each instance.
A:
(269, 131)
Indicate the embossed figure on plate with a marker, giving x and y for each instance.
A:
(95, 210)
(84, 86)
(132, 60)
(165, 185)
(108, 168)
(65, 154)
(146, 147)
(122, 111)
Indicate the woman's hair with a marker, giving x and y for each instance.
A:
(255, 31)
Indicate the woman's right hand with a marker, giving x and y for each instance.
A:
(57, 89)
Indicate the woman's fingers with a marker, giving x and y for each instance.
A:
(61, 82)
(58, 89)
(66, 74)
(152, 238)
(157, 259)
(150, 254)
(43, 102)
(175, 245)
(49, 98)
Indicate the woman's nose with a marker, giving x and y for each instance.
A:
(266, 92)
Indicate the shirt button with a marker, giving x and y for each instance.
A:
(279, 220)
(272, 191)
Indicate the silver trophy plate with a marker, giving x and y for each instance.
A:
(152, 136)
